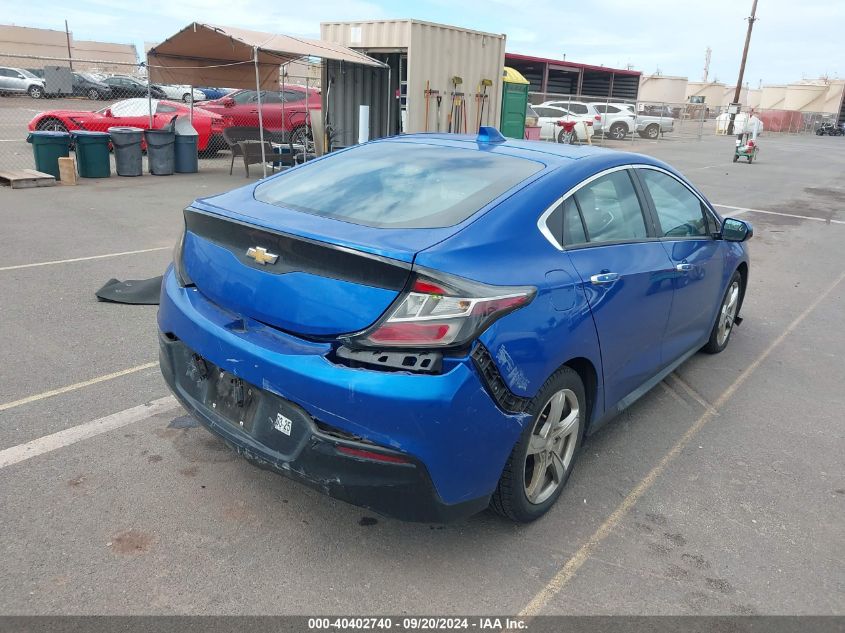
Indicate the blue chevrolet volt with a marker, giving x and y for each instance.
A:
(428, 325)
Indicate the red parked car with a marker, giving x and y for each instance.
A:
(135, 113)
(284, 112)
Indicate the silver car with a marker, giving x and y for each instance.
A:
(18, 80)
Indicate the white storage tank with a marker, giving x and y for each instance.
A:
(419, 54)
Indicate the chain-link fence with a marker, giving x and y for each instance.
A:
(612, 121)
(38, 93)
(41, 93)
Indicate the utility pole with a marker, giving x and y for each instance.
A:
(751, 20)
(69, 56)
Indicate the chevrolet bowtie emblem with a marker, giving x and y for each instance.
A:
(261, 255)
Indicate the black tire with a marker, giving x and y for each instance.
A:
(51, 124)
(565, 137)
(187, 97)
(652, 131)
(510, 498)
(716, 344)
(618, 131)
(93, 94)
(736, 157)
(36, 92)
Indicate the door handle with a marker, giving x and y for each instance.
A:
(683, 267)
(604, 278)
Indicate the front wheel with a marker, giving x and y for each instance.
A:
(542, 460)
(726, 318)
(36, 92)
(187, 98)
(52, 125)
(93, 94)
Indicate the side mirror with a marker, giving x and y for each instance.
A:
(228, 102)
(734, 230)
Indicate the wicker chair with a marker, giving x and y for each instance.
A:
(246, 142)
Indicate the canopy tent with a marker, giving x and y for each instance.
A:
(222, 56)
(208, 55)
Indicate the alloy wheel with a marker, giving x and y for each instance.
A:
(727, 313)
(618, 132)
(52, 125)
(552, 446)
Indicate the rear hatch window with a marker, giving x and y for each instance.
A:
(398, 184)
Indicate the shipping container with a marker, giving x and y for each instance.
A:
(419, 54)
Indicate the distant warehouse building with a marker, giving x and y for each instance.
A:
(561, 77)
(23, 40)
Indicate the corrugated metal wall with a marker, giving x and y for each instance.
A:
(348, 86)
(435, 53)
(378, 34)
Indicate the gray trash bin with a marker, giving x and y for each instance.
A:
(186, 147)
(128, 156)
(161, 156)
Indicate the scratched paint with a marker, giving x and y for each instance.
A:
(514, 376)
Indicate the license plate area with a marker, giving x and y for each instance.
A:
(270, 420)
(231, 398)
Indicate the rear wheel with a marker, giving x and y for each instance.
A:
(618, 131)
(567, 138)
(542, 460)
(93, 94)
(36, 92)
(187, 98)
(652, 131)
(725, 319)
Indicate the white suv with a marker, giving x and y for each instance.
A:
(18, 80)
(550, 115)
(579, 109)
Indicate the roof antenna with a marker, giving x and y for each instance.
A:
(488, 134)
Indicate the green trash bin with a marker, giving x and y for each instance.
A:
(92, 153)
(47, 148)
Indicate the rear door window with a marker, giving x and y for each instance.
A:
(398, 185)
(611, 209)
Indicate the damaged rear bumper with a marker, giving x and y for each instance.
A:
(278, 435)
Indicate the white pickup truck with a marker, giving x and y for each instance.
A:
(652, 121)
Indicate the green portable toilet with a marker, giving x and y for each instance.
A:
(514, 103)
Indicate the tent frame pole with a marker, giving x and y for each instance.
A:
(260, 114)
(149, 98)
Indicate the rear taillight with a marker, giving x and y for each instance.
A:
(597, 117)
(441, 310)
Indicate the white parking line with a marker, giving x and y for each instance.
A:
(786, 215)
(78, 385)
(85, 259)
(48, 443)
(571, 567)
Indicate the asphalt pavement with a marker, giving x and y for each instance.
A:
(720, 492)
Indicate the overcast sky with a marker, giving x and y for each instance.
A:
(791, 41)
